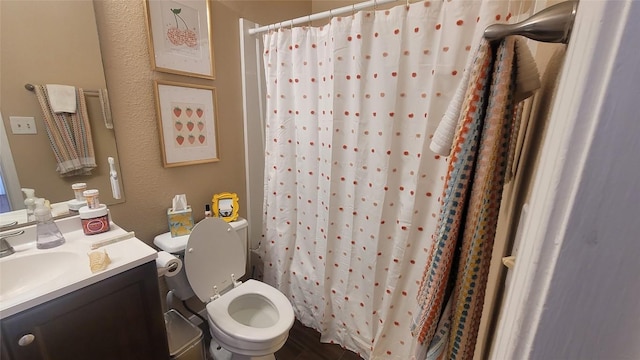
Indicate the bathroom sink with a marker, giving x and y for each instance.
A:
(33, 276)
(21, 274)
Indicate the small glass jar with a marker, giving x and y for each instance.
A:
(93, 198)
(78, 190)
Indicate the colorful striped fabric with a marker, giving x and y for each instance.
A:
(69, 135)
(462, 243)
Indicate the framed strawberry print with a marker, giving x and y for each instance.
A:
(187, 123)
(180, 40)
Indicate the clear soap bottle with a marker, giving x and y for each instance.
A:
(49, 235)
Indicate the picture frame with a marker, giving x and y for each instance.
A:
(225, 206)
(180, 38)
(187, 123)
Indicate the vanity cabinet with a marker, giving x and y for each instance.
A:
(118, 318)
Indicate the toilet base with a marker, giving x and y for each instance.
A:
(220, 353)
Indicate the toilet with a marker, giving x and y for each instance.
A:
(251, 320)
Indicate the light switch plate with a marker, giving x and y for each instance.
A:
(23, 125)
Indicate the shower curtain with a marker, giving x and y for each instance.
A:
(351, 187)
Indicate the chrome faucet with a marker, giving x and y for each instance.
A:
(5, 248)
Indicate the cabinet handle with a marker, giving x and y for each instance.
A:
(26, 339)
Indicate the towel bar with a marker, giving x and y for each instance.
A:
(552, 24)
(104, 103)
(30, 87)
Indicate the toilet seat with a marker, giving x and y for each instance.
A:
(251, 319)
(214, 252)
(218, 311)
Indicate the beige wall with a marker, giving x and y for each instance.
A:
(60, 45)
(148, 185)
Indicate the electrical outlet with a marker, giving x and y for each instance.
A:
(23, 125)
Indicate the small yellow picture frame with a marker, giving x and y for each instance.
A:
(225, 206)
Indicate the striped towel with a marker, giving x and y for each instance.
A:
(527, 82)
(459, 259)
(69, 135)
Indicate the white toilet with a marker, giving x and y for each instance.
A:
(251, 320)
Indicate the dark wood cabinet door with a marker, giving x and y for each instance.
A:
(119, 318)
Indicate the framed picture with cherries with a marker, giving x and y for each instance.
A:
(180, 40)
(187, 123)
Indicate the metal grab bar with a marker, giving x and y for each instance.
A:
(552, 24)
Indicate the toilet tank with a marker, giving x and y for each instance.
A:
(176, 245)
(240, 226)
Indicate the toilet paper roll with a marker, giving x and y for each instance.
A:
(168, 264)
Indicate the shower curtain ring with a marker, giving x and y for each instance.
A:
(309, 20)
(353, 10)
(375, 5)
(292, 24)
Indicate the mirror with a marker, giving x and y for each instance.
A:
(49, 42)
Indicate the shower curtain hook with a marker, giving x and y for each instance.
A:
(353, 10)
(375, 5)
(291, 24)
(309, 20)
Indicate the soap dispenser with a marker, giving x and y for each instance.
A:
(29, 203)
(49, 235)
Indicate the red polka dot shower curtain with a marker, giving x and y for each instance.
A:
(351, 187)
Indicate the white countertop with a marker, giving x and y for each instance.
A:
(20, 216)
(124, 255)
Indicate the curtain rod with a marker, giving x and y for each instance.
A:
(321, 15)
(553, 24)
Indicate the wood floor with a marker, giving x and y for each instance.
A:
(304, 344)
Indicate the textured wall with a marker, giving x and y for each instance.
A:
(149, 187)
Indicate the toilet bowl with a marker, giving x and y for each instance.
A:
(251, 320)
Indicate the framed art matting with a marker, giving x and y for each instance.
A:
(180, 40)
(187, 123)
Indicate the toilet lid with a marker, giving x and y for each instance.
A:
(214, 252)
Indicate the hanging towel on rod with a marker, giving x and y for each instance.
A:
(459, 259)
(69, 134)
(527, 82)
(103, 95)
(62, 98)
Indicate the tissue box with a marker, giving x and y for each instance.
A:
(180, 222)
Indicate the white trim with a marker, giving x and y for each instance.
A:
(253, 90)
(575, 115)
(8, 170)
